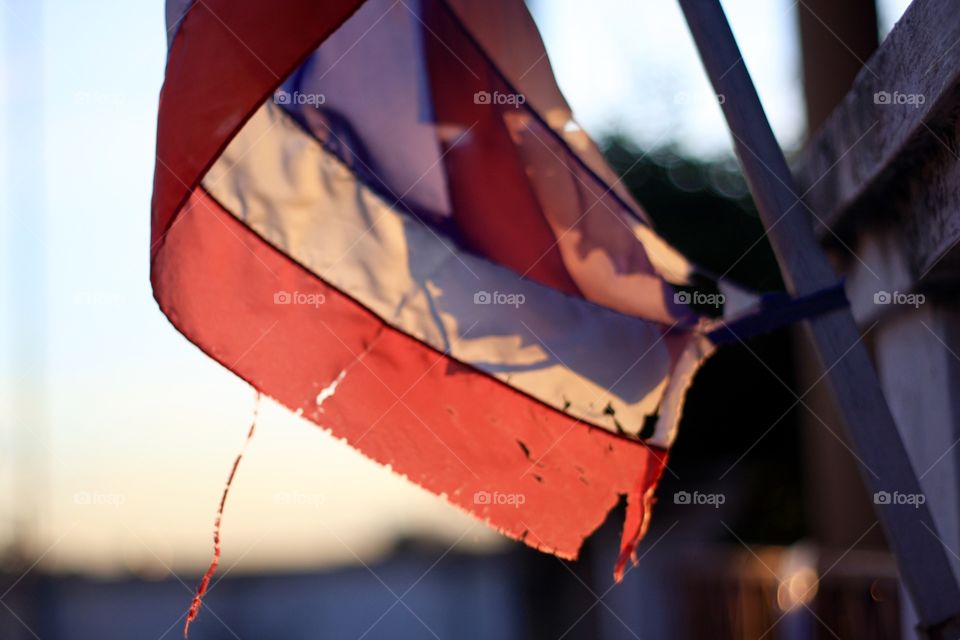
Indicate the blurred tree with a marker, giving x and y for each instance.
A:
(703, 208)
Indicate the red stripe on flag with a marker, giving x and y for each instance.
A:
(493, 202)
(534, 473)
(226, 59)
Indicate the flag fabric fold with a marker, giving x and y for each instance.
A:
(384, 216)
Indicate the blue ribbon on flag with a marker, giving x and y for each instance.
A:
(779, 310)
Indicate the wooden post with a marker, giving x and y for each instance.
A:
(922, 561)
(839, 506)
(893, 198)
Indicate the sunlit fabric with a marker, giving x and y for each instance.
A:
(384, 216)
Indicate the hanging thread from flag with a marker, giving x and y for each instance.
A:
(208, 575)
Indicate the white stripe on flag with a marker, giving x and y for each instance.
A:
(571, 354)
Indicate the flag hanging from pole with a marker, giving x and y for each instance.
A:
(383, 215)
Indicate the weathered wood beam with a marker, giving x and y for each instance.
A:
(886, 468)
(890, 153)
(835, 39)
(884, 175)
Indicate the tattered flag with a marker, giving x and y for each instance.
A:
(384, 216)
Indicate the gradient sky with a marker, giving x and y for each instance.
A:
(123, 412)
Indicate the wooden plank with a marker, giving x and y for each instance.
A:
(886, 468)
(919, 374)
(892, 144)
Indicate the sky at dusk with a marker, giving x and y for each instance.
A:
(132, 429)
